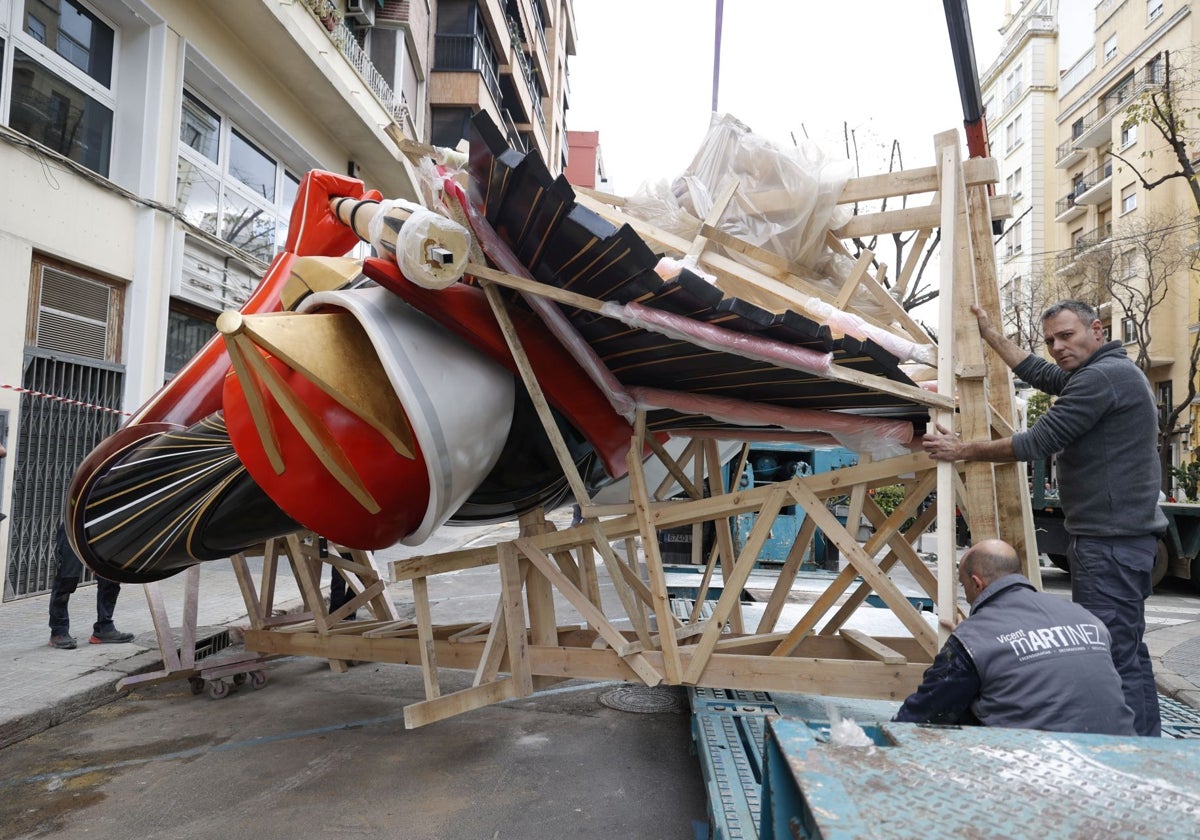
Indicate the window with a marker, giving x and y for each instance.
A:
(62, 85)
(1110, 48)
(1153, 9)
(1129, 199)
(230, 186)
(1128, 135)
(188, 329)
(1013, 239)
(1127, 265)
(1166, 398)
(1012, 133)
(1128, 330)
(1013, 183)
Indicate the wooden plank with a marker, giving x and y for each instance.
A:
(514, 618)
(590, 612)
(910, 218)
(735, 582)
(857, 272)
(634, 607)
(449, 705)
(865, 565)
(241, 571)
(953, 205)
(918, 180)
(787, 574)
(191, 595)
(536, 396)
(429, 668)
(162, 627)
(654, 568)
(720, 204)
(873, 649)
(915, 254)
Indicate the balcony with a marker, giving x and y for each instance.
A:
(1011, 97)
(1068, 154)
(1095, 128)
(1065, 209)
(467, 53)
(336, 78)
(1084, 243)
(1096, 186)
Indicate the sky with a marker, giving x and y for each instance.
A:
(643, 76)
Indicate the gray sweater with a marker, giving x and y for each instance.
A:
(1104, 427)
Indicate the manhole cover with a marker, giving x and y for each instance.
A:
(643, 699)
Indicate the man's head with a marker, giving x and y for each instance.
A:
(1073, 332)
(985, 562)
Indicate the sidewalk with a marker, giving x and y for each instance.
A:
(43, 686)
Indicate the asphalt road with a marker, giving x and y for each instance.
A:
(319, 754)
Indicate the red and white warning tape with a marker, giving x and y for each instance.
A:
(66, 400)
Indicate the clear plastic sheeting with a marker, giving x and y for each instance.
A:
(785, 201)
(878, 437)
(430, 249)
(718, 339)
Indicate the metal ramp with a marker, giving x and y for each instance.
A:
(732, 728)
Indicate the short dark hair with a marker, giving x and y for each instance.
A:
(1086, 313)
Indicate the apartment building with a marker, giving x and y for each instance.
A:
(151, 151)
(1103, 212)
(1021, 105)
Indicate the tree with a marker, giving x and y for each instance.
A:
(1166, 104)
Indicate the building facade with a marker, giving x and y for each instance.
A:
(152, 150)
(1020, 95)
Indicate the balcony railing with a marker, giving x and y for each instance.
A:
(1064, 204)
(1012, 96)
(1092, 238)
(468, 51)
(1098, 175)
(343, 38)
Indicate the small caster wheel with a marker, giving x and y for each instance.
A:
(239, 679)
(218, 689)
(196, 684)
(258, 679)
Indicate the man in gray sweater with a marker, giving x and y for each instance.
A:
(1104, 428)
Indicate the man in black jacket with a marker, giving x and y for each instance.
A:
(1023, 659)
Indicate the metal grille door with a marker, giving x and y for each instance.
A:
(72, 403)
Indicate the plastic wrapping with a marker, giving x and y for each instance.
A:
(785, 201)
(848, 323)
(880, 438)
(430, 249)
(721, 340)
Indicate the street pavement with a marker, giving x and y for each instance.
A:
(44, 686)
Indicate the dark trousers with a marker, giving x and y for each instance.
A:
(1111, 578)
(66, 580)
(106, 601)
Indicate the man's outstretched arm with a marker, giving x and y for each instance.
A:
(1008, 351)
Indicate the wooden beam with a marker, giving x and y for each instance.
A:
(873, 649)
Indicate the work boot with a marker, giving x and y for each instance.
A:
(110, 637)
(63, 641)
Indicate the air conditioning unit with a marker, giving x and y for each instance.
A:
(361, 11)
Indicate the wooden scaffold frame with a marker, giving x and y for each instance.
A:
(524, 647)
